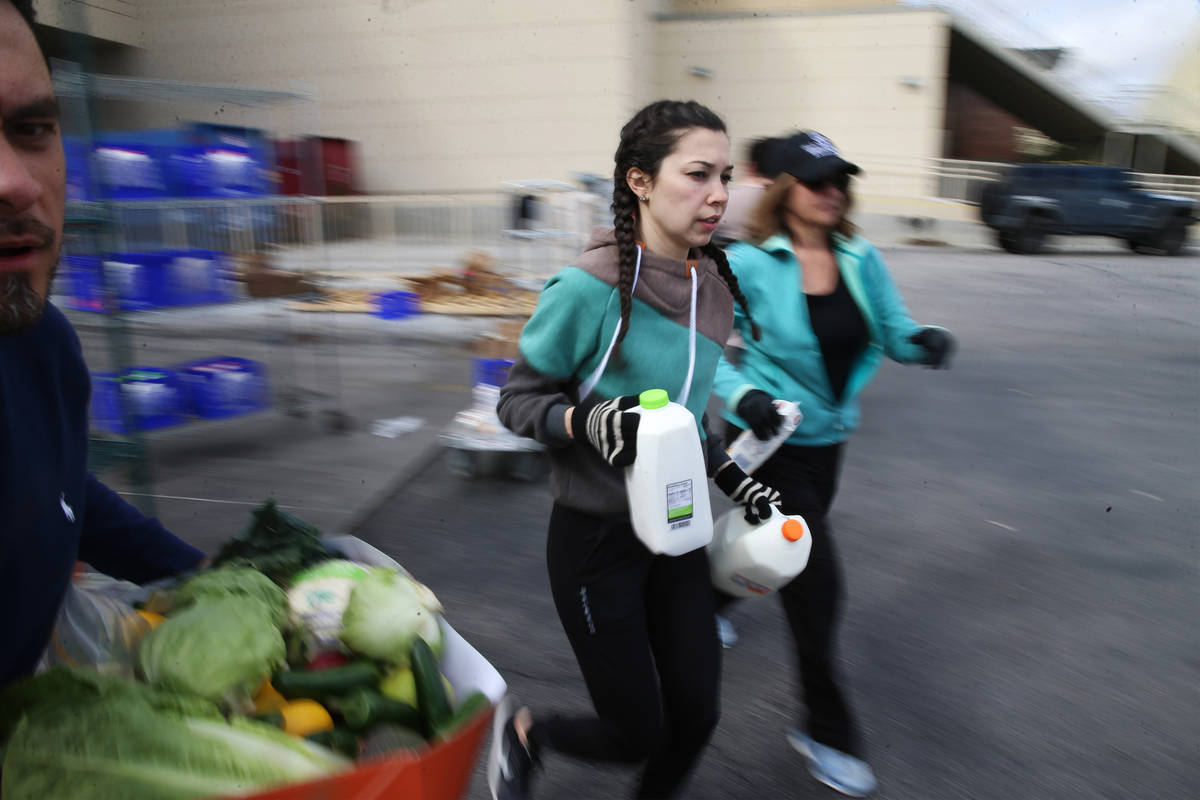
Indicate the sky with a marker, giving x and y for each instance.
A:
(1119, 48)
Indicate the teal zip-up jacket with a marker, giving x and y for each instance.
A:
(567, 336)
(787, 362)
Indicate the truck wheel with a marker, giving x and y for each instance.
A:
(1031, 236)
(1169, 241)
(1007, 240)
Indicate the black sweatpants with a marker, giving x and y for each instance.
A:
(642, 630)
(807, 479)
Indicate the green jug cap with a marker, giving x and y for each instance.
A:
(653, 398)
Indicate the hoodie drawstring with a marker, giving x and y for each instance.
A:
(588, 385)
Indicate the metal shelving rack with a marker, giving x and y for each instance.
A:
(96, 227)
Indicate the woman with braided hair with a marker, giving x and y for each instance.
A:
(648, 304)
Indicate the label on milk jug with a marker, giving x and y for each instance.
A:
(754, 586)
(679, 504)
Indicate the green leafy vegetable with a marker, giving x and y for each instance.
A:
(386, 612)
(275, 543)
(109, 750)
(72, 687)
(220, 649)
(233, 582)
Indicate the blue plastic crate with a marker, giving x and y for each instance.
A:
(492, 371)
(154, 396)
(75, 151)
(224, 386)
(128, 171)
(197, 277)
(396, 305)
(139, 280)
(85, 283)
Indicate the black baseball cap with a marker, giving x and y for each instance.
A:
(809, 156)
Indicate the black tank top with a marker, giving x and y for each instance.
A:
(841, 331)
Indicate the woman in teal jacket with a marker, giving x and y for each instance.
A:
(829, 312)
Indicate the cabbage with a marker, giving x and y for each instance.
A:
(71, 687)
(117, 750)
(220, 649)
(233, 582)
(386, 610)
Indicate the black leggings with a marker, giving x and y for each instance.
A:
(642, 630)
(807, 478)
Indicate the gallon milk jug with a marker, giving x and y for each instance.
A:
(749, 560)
(667, 485)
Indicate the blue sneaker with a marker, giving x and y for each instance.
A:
(839, 771)
(726, 632)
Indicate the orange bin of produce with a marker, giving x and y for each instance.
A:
(441, 772)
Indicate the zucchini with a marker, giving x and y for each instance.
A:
(364, 708)
(467, 710)
(432, 700)
(337, 739)
(323, 683)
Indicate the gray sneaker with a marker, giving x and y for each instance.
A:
(839, 771)
(726, 632)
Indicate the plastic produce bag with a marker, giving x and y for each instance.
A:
(98, 626)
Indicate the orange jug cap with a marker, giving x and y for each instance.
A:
(793, 530)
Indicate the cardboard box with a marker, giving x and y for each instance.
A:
(501, 341)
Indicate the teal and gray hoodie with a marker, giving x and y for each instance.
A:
(567, 337)
(787, 363)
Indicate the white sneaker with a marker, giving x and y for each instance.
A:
(839, 771)
(726, 632)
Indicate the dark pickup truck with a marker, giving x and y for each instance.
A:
(1033, 201)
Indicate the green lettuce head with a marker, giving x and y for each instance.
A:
(119, 750)
(220, 649)
(386, 611)
(233, 582)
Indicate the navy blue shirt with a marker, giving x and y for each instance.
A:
(52, 510)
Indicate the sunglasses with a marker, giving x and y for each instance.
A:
(838, 180)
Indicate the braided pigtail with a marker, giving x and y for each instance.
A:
(624, 207)
(718, 255)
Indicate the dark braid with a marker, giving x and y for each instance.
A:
(718, 255)
(646, 140)
(624, 206)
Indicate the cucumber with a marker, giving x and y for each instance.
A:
(337, 739)
(364, 708)
(467, 710)
(323, 683)
(432, 700)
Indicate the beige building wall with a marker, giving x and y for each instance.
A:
(1178, 102)
(111, 20)
(452, 95)
(873, 83)
(734, 6)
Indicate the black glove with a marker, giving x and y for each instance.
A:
(938, 345)
(606, 427)
(741, 488)
(759, 412)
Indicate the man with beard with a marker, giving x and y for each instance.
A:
(52, 511)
